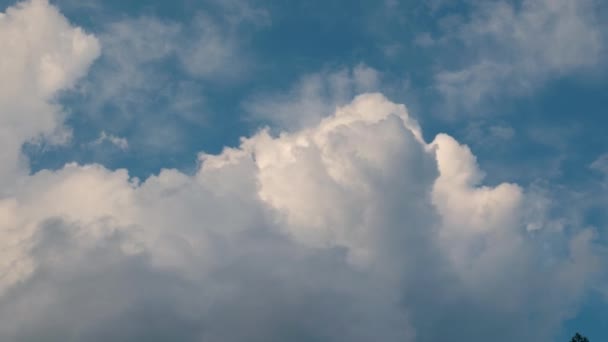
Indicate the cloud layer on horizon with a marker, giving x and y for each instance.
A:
(352, 229)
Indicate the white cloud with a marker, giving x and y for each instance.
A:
(206, 47)
(41, 55)
(513, 49)
(133, 91)
(352, 229)
(600, 164)
(314, 96)
(130, 71)
(214, 52)
(343, 212)
(119, 142)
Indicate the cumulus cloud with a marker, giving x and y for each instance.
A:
(351, 229)
(512, 49)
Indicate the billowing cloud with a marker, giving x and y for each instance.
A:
(352, 229)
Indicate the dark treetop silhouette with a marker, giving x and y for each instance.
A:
(579, 338)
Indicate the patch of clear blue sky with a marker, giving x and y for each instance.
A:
(591, 320)
(558, 130)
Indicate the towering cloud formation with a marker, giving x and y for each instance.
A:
(355, 229)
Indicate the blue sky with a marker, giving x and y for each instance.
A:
(283, 43)
(195, 88)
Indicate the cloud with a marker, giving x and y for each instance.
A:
(294, 237)
(489, 135)
(314, 96)
(154, 73)
(121, 143)
(509, 49)
(350, 229)
(206, 47)
(600, 164)
(135, 51)
(42, 54)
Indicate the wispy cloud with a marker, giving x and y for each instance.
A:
(154, 73)
(507, 49)
(119, 142)
(313, 97)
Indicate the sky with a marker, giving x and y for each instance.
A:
(265, 170)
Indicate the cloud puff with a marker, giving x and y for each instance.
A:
(353, 229)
